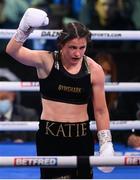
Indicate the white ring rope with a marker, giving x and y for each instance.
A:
(96, 35)
(68, 161)
(34, 86)
(33, 126)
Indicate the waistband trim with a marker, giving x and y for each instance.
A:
(64, 129)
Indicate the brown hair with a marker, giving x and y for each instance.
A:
(73, 30)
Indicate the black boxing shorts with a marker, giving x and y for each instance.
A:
(65, 139)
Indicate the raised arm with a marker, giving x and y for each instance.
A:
(32, 18)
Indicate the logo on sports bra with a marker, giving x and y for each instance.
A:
(69, 89)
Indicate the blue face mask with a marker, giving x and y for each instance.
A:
(5, 106)
(108, 78)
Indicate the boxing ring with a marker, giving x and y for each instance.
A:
(19, 160)
(27, 150)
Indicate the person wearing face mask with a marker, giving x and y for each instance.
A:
(12, 110)
(5, 106)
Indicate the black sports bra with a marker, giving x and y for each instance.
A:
(62, 86)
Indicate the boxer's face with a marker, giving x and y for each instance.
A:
(74, 50)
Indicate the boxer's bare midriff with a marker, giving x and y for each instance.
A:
(63, 112)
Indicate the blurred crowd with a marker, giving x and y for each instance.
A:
(116, 57)
(95, 14)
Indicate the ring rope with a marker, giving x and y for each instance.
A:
(33, 126)
(68, 161)
(34, 86)
(96, 35)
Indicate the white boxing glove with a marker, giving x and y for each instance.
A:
(32, 18)
(106, 148)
